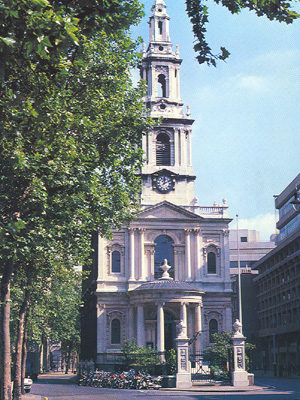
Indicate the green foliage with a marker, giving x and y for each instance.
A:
(219, 355)
(197, 10)
(171, 361)
(139, 356)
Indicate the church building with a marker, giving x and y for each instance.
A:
(171, 264)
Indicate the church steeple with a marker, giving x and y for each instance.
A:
(159, 23)
(160, 67)
(168, 172)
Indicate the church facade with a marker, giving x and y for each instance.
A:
(171, 264)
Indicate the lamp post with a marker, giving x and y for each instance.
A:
(239, 272)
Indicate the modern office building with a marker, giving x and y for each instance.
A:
(171, 264)
(278, 287)
(245, 246)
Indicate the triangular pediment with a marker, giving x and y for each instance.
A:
(166, 210)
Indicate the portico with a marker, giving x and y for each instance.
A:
(178, 299)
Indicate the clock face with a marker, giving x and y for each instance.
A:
(164, 183)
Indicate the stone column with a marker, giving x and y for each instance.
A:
(131, 255)
(176, 148)
(142, 252)
(140, 326)
(189, 148)
(101, 332)
(197, 254)
(188, 254)
(182, 148)
(152, 272)
(131, 334)
(198, 328)
(228, 314)
(183, 317)
(144, 146)
(101, 265)
(160, 327)
(168, 83)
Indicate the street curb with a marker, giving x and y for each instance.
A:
(218, 389)
(34, 397)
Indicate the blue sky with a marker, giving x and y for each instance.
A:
(246, 111)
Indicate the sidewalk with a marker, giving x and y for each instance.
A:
(218, 389)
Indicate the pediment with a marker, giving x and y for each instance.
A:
(166, 210)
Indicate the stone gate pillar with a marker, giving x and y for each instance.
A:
(183, 376)
(239, 374)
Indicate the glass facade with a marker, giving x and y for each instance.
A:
(289, 228)
(286, 208)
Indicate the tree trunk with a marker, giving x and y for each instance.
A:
(24, 353)
(19, 345)
(5, 355)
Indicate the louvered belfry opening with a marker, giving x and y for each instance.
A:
(163, 151)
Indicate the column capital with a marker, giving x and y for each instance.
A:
(197, 231)
(131, 230)
(187, 232)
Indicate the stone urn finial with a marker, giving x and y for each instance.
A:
(237, 328)
(181, 329)
(165, 267)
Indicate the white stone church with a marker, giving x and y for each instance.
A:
(171, 264)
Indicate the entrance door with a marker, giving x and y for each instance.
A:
(170, 331)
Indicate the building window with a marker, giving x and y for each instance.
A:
(211, 263)
(115, 331)
(163, 151)
(213, 328)
(163, 250)
(116, 261)
(160, 27)
(244, 239)
(162, 87)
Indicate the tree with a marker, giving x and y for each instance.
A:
(63, 320)
(219, 354)
(71, 124)
(197, 10)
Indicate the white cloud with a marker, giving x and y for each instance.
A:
(263, 223)
(251, 82)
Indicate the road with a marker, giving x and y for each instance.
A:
(61, 387)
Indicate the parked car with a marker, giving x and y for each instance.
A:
(27, 384)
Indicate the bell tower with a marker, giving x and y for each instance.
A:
(167, 173)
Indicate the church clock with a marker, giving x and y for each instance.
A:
(164, 183)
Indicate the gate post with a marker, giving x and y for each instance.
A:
(239, 374)
(183, 376)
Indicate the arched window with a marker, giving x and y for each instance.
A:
(211, 263)
(163, 154)
(213, 328)
(160, 27)
(161, 89)
(115, 331)
(116, 261)
(163, 250)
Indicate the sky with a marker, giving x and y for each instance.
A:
(246, 110)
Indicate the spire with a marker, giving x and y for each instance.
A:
(159, 23)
